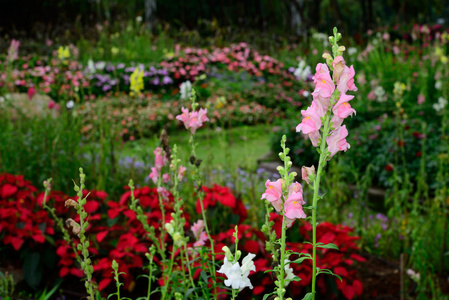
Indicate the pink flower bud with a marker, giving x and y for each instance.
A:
(308, 173)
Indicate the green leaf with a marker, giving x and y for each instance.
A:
(204, 276)
(188, 292)
(328, 246)
(300, 260)
(32, 269)
(296, 278)
(327, 271)
(308, 296)
(53, 290)
(267, 295)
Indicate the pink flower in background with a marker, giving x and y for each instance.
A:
(154, 175)
(165, 178)
(273, 193)
(31, 92)
(193, 120)
(337, 140)
(51, 104)
(13, 50)
(164, 193)
(160, 158)
(421, 99)
(201, 240)
(197, 228)
(181, 172)
(184, 117)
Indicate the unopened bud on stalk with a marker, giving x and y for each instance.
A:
(329, 59)
(308, 174)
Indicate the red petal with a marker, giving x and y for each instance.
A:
(348, 291)
(8, 190)
(17, 242)
(101, 235)
(104, 283)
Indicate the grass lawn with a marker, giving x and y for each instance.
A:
(218, 148)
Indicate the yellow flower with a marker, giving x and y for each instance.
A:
(115, 51)
(136, 82)
(63, 52)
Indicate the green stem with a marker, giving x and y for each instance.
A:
(172, 258)
(316, 187)
(149, 278)
(203, 213)
(282, 262)
(190, 270)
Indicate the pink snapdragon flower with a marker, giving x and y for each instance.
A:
(160, 158)
(322, 78)
(165, 194)
(339, 65)
(312, 121)
(193, 120)
(323, 89)
(154, 175)
(342, 109)
(201, 240)
(165, 178)
(273, 193)
(181, 172)
(337, 140)
(346, 80)
(197, 228)
(311, 124)
(293, 205)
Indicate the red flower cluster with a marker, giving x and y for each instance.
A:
(23, 221)
(20, 221)
(224, 196)
(340, 262)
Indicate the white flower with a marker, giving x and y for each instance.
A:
(70, 104)
(2, 99)
(321, 37)
(100, 65)
(438, 84)
(306, 93)
(288, 273)
(380, 93)
(413, 275)
(90, 66)
(352, 50)
(440, 105)
(237, 277)
(248, 264)
(303, 71)
(139, 19)
(186, 90)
